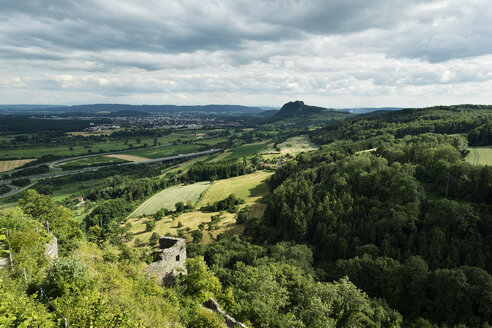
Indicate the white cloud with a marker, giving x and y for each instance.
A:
(336, 53)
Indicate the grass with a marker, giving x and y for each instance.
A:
(59, 193)
(249, 150)
(480, 155)
(296, 145)
(190, 221)
(110, 144)
(13, 164)
(126, 157)
(165, 151)
(249, 187)
(170, 196)
(211, 141)
(94, 160)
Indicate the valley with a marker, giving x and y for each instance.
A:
(360, 203)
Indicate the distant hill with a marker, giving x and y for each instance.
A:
(228, 110)
(301, 114)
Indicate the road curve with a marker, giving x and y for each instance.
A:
(95, 168)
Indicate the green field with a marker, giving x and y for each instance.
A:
(170, 196)
(296, 145)
(165, 151)
(249, 150)
(67, 190)
(93, 160)
(249, 187)
(480, 155)
(211, 141)
(108, 145)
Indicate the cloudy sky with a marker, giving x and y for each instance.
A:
(332, 53)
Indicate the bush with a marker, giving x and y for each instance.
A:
(149, 225)
(154, 238)
(65, 276)
(197, 236)
(205, 319)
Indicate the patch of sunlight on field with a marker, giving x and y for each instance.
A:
(249, 187)
(480, 155)
(190, 222)
(296, 145)
(13, 164)
(130, 158)
(170, 196)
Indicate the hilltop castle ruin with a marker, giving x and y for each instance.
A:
(169, 260)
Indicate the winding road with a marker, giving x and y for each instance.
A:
(51, 175)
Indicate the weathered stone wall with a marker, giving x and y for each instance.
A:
(169, 260)
(4, 258)
(51, 249)
(230, 321)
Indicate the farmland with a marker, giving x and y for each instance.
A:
(75, 146)
(165, 151)
(170, 196)
(249, 150)
(296, 145)
(13, 164)
(126, 157)
(480, 155)
(94, 160)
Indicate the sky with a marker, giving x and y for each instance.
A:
(330, 53)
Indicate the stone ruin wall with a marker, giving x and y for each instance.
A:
(51, 249)
(169, 260)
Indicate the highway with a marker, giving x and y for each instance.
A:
(51, 175)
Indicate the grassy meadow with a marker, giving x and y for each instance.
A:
(249, 187)
(93, 160)
(480, 155)
(249, 150)
(296, 145)
(170, 196)
(159, 152)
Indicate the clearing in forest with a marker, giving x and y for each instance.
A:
(296, 145)
(249, 187)
(366, 151)
(190, 221)
(480, 155)
(170, 196)
(13, 164)
(131, 158)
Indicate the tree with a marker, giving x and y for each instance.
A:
(200, 282)
(179, 207)
(154, 238)
(197, 236)
(149, 225)
(61, 222)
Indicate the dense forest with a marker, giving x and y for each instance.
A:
(409, 221)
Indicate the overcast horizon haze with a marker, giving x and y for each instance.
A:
(338, 54)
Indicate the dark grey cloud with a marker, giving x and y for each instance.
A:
(238, 49)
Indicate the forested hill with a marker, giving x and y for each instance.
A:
(390, 202)
(475, 120)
